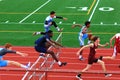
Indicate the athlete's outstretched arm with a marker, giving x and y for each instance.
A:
(61, 17)
(103, 45)
(56, 43)
(86, 46)
(76, 25)
(22, 54)
(112, 40)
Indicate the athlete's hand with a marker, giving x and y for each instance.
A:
(111, 46)
(64, 18)
(107, 44)
(78, 53)
(73, 26)
(24, 54)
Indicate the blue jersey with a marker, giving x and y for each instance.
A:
(42, 40)
(4, 51)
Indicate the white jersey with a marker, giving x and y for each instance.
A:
(49, 19)
(117, 35)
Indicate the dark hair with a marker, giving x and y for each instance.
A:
(87, 22)
(95, 38)
(50, 31)
(52, 12)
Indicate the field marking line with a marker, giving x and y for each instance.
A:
(91, 7)
(94, 10)
(61, 24)
(34, 11)
(105, 33)
(12, 13)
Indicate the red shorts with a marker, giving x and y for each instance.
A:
(92, 60)
(116, 50)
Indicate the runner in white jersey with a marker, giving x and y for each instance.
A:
(49, 22)
(83, 34)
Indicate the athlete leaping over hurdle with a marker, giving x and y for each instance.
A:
(49, 22)
(8, 49)
(43, 43)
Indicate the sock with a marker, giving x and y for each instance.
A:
(23, 66)
(38, 33)
(89, 41)
(80, 56)
(59, 63)
(58, 28)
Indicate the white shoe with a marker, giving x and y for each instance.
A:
(108, 75)
(28, 65)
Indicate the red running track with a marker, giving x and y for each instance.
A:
(73, 66)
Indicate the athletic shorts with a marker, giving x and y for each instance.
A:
(41, 49)
(3, 63)
(116, 50)
(82, 37)
(92, 60)
(47, 28)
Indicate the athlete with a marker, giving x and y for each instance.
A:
(8, 49)
(116, 48)
(83, 34)
(43, 43)
(49, 22)
(91, 58)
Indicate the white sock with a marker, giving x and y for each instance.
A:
(59, 63)
(89, 41)
(80, 56)
(38, 33)
(58, 28)
(23, 66)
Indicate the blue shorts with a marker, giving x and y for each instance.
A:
(47, 28)
(82, 38)
(41, 49)
(3, 63)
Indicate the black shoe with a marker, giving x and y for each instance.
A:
(79, 77)
(63, 64)
(101, 57)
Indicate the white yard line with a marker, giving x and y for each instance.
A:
(94, 10)
(34, 11)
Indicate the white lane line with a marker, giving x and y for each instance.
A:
(34, 11)
(94, 10)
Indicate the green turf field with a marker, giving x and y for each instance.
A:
(20, 18)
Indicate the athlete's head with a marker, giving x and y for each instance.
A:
(87, 24)
(8, 46)
(50, 33)
(52, 14)
(96, 39)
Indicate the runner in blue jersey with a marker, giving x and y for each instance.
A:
(43, 43)
(8, 49)
(83, 34)
(49, 21)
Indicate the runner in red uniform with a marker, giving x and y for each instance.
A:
(91, 58)
(116, 48)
